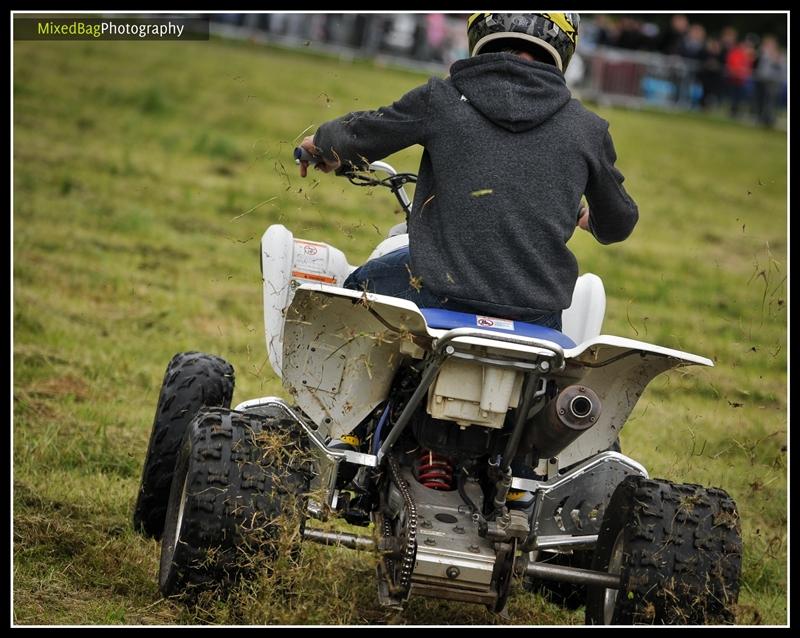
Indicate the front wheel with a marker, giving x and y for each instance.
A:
(678, 551)
(238, 483)
(193, 380)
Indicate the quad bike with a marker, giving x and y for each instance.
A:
(476, 449)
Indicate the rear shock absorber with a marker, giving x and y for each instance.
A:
(434, 471)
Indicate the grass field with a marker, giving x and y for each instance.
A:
(144, 175)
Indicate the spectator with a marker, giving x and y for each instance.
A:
(769, 74)
(739, 71)
(607, 31)
(630, 34)
(435, 32)
(693, 45)
(711, 74)
(672, 39)
(456, 45)
(419, 49)
(650, 35)
(399, 37)
(728, 39)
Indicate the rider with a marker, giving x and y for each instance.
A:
(508, 156)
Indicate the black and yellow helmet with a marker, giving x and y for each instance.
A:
(557, 33)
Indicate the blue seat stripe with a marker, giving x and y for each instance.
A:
(449, 319)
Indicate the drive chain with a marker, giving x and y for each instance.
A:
(403, 581)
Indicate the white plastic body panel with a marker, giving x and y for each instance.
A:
(398, 229)
(342, 349)
(618, 370)
(287, 262)
(390, 244)
(584, 317)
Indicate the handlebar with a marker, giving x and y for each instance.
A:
(395, 182)
(302, 155)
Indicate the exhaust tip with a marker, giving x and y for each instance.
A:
(573, 411)
(577, 407)
(581, 406)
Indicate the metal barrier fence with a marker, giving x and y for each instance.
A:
(634, 78)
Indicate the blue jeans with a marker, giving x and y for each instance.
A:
(391, 275)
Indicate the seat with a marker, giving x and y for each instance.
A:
(449, 319)
(583, 320)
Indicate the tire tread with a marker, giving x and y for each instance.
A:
(193, 380)
(683, 554)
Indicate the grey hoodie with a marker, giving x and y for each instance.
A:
(508, 154)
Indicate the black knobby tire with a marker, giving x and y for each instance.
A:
(193, 380)
(238, 480)
(678, 549)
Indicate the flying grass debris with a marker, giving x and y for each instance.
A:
(482, 192)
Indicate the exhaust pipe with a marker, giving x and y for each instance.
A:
(568, 415)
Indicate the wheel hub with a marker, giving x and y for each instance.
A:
(614, 567)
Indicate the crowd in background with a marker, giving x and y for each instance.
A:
(733, 68)
(432, 37)
(745, 74)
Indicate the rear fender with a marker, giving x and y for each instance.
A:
(618, 370)
(341, 349)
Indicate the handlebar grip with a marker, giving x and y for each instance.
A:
(301, 154)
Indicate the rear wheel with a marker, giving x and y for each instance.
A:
(678, 551)
(239, 481)
(193, 380)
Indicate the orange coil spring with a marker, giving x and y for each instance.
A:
(434, 471)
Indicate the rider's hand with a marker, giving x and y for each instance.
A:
(583, 218)
(322, 164)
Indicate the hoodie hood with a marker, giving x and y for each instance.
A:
(513, 93)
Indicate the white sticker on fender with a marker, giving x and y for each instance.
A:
(494, 322)
(310, 256)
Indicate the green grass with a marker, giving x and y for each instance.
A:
(134, 167)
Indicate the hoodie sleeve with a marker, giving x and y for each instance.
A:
(361, 137)
(613, 213)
